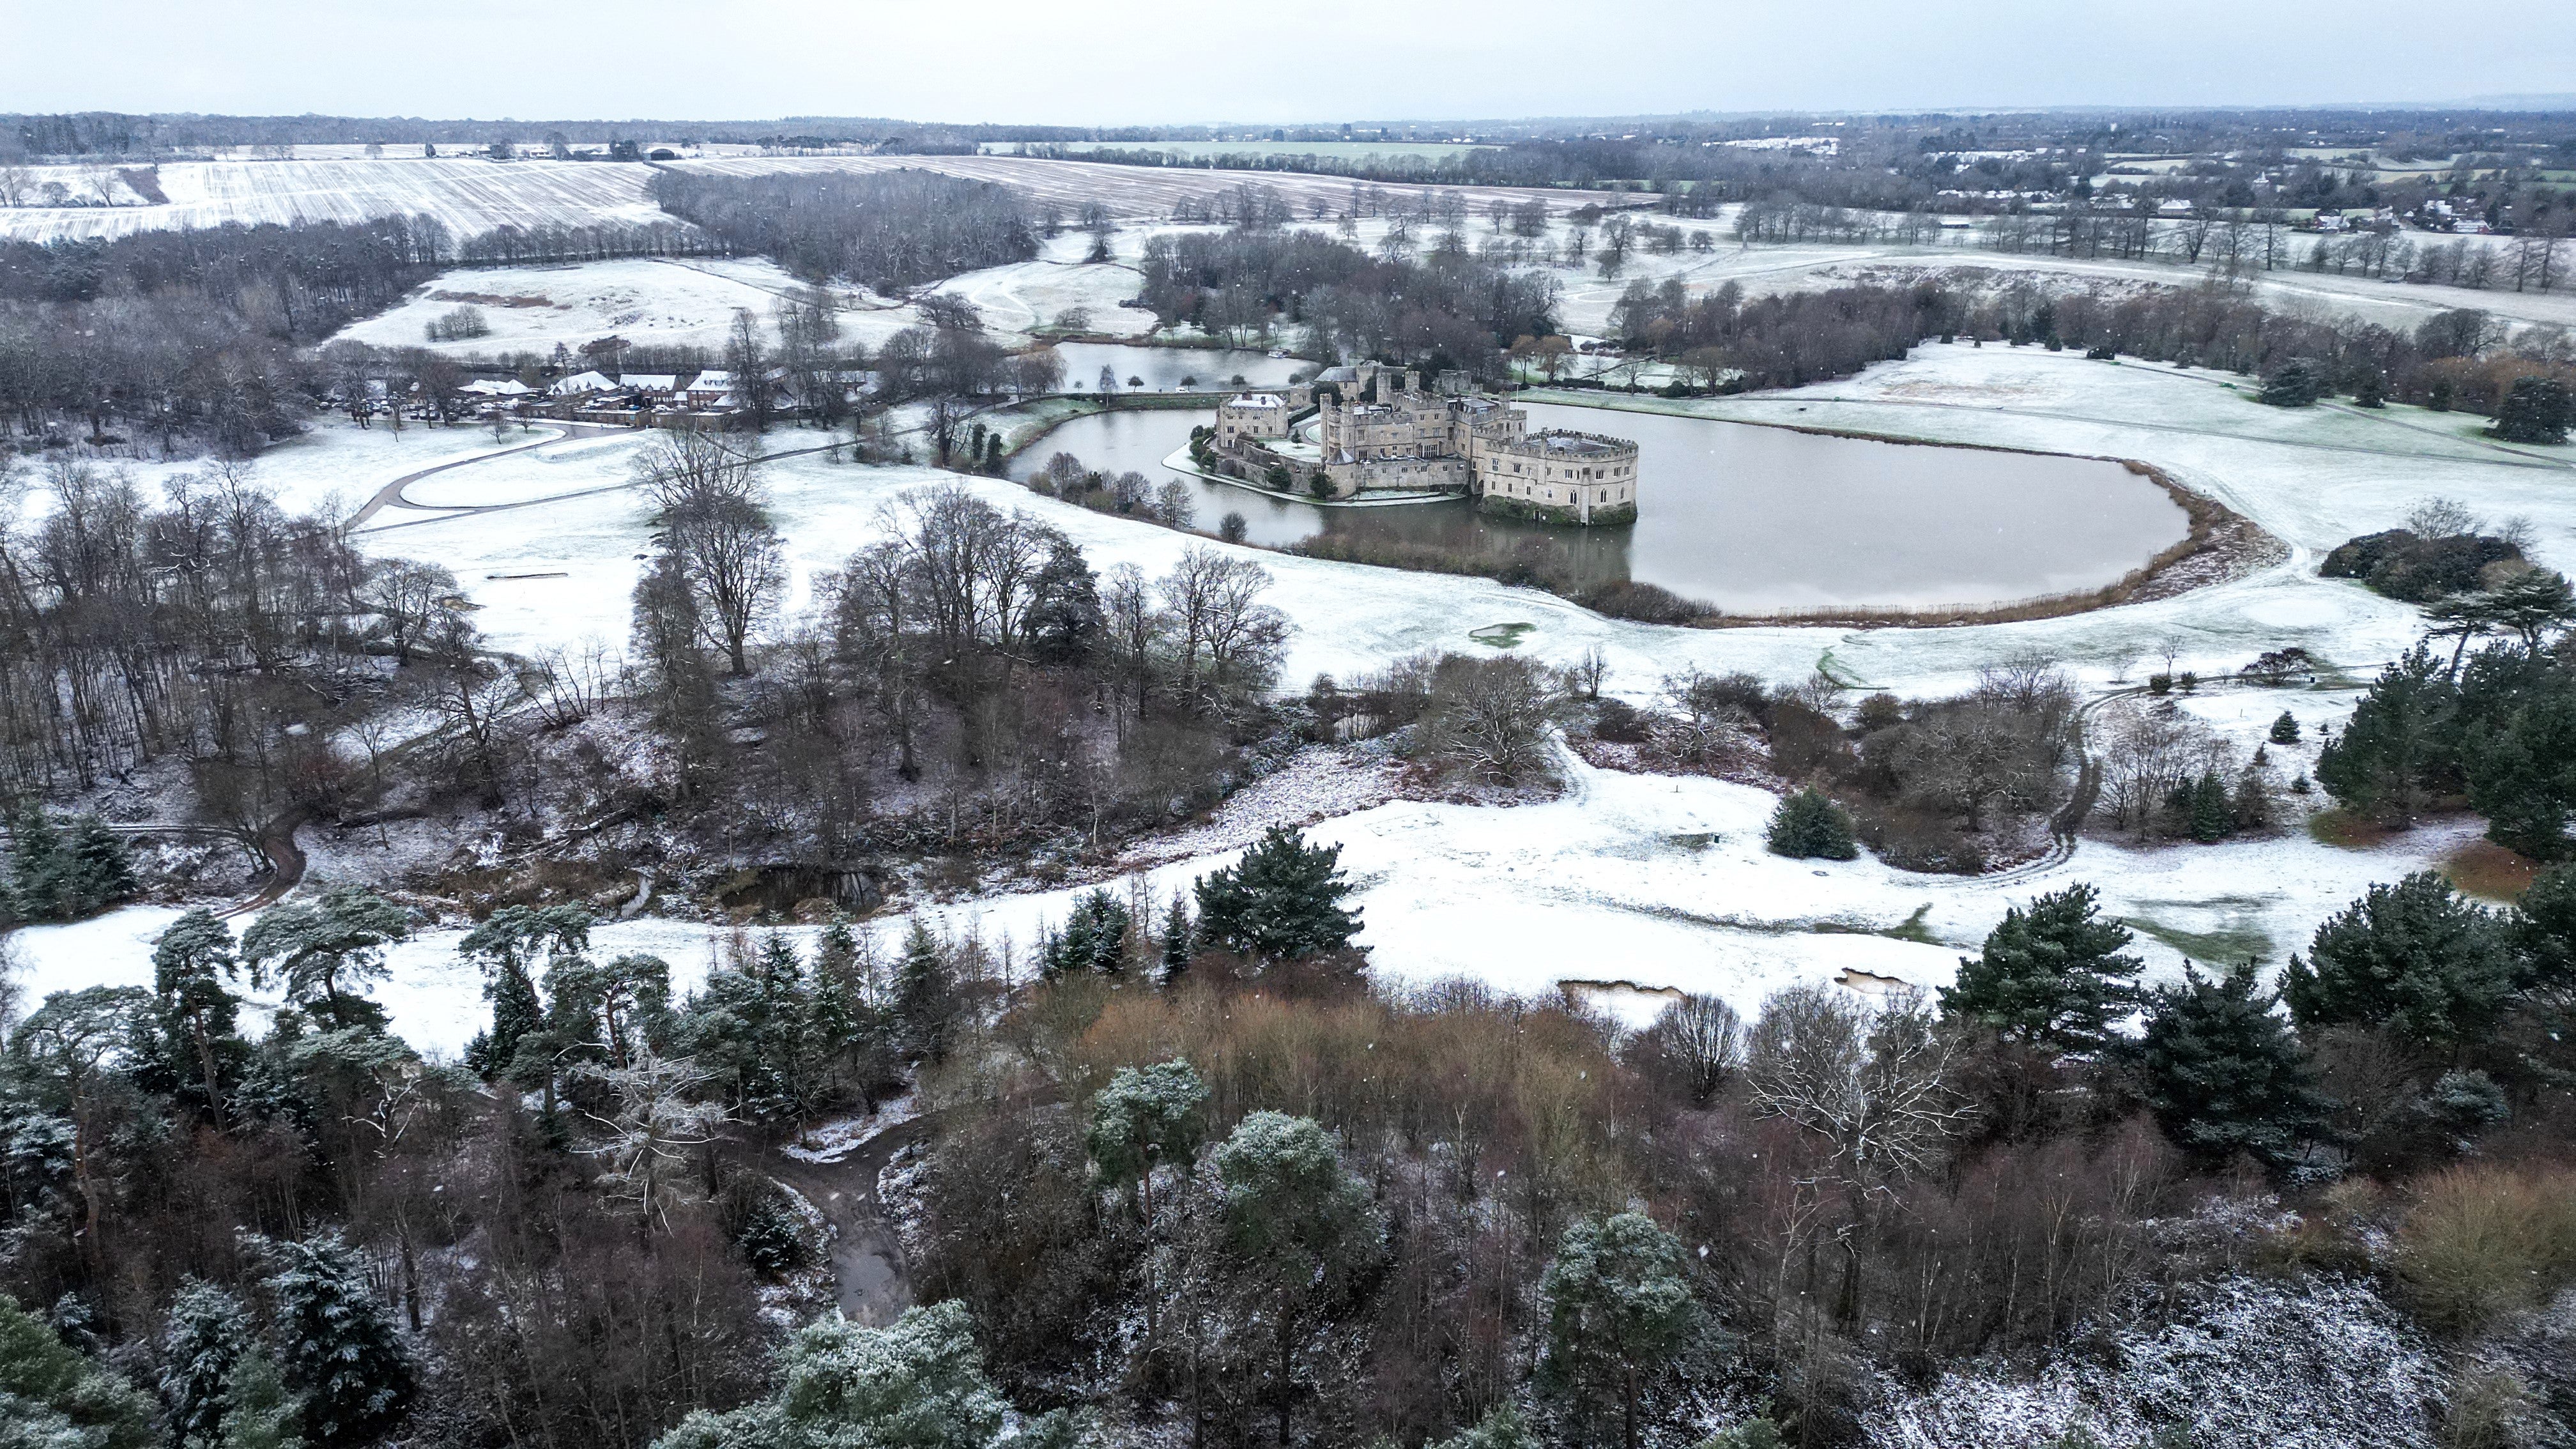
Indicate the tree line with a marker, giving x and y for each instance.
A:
(889, 230)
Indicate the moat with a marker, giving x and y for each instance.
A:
(1752, 519)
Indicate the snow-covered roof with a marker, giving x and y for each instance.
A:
(652, 381)
(711, 382)
(497, 387)
(581, 382)
(1255, 400)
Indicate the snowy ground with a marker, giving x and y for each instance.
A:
(470, 194)
(1656, 881)
(648, 301)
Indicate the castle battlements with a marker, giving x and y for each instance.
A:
(1379, 429)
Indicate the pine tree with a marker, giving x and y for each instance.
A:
(2521, 773)
(2392, 754)
(2222, 1072)
(1180, 940)
(52, 1396)
(2370, 389)
(2535, 410)
(56, 875)
(2297, 383)
(925, 994)
(1282, 901)
(2544, 931)
(2053, 974)
(201, 1045)
(2413, 958)
(1619, 1313)
(1093, 941)
(101, 864)
(2212, 814)
(2285, 730)
(200, 1348)
(336, 1343)
(1808, 826)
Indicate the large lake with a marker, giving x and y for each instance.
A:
(1752, 519)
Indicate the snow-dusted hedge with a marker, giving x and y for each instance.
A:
(2320, 1364)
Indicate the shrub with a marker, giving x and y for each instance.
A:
(2297, 383)
(2403, 564)
(2285, 730)
(1808, 826)
(2536, 410)
(2485, 1240)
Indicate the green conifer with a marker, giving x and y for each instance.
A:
(2053, 974)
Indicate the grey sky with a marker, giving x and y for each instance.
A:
(1244, 60)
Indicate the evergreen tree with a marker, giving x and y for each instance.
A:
(2535, 410)
(1808, 826)
(2285, 730)
(2054, 974)
(925, 994)
(2370, 389)
(918, 1383)
(2213, 815)
(1180, 940)
(1619, 1314)
(2521, 774)
(2297, 383)
(52, 1396)
(322, 951)
(2413, 958)
(1064, 622)
(2394, 750)
(1147, 1117)
(201, 1046)
(1094, 939)
(2529, 603)
(1501, 1428)
(201, 1347)
(2222, 1072)
(59, 876)
(336, 1343)
(1282, 901)
(1295, 1231)
(2544, 931)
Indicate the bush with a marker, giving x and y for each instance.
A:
(63, 875)
(2487, 1240)
(2297, 383)
(2537, 410)
(2405, 565)
(2285, 730)
(1808, 826)
(1619, 722)
(1644, 603)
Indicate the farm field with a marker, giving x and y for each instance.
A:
(467, 195)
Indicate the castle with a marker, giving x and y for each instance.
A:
(1378, 430)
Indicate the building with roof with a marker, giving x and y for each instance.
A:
(1367, 429)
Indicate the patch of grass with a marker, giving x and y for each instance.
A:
(1501, 636)
(2223, 947)
(2489, 871)
(1694, 840)
(2346, 831)
(1909, 929)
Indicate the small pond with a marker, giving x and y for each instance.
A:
(1164, 368)
(1752, 519)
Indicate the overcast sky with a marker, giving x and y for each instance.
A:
(1109, 63)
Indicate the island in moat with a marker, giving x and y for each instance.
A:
(1372, 429)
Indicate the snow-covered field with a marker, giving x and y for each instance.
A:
(470, 195)
(1656, 881)
(647, 301)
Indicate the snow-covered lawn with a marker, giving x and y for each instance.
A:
(1657, 881)
(648, 301)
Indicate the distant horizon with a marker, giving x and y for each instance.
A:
(1162, 62)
